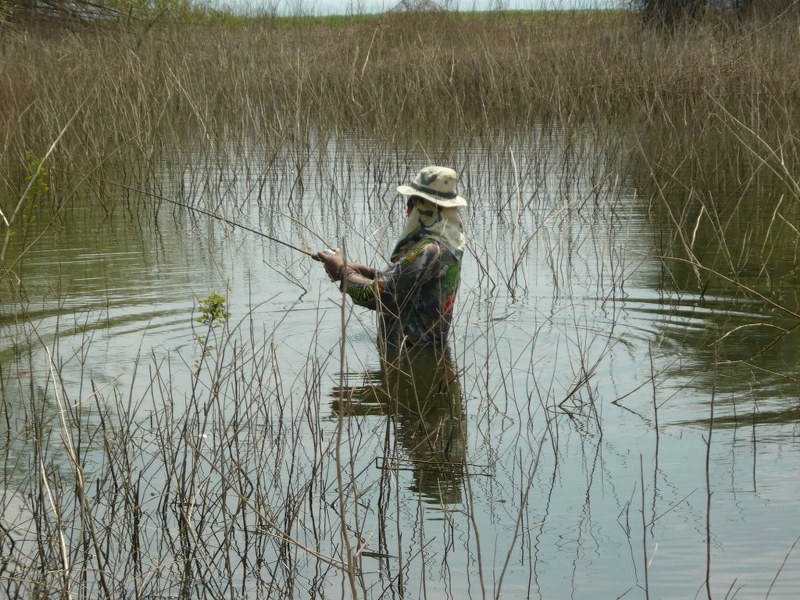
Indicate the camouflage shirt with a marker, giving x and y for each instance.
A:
(414, 295)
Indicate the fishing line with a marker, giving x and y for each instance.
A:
(207, 213)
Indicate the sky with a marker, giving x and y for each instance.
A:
(344, 7)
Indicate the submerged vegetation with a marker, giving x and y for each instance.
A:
(238, 474)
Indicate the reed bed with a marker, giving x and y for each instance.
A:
(429, 73)
(244, 472)
(714, 105)
(235, 474)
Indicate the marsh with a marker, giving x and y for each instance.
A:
(616, 415)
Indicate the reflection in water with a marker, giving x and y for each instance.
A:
(419, 389)
(114, 296)
(743, 353)
(728, 300)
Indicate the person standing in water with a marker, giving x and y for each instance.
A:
(415, 294)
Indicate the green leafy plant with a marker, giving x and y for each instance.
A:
(213, 314)
(212, 311)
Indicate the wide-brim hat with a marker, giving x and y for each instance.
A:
(437, 184)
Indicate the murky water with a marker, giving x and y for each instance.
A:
(595, 420)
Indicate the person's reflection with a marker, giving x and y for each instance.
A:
(421, 390)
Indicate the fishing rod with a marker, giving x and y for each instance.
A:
(223, 219)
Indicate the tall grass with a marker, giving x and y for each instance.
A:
(232, 483)
(713, 105)
(393, 76)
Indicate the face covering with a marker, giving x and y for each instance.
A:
(428, 220)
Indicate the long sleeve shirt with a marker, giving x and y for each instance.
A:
(414, 296)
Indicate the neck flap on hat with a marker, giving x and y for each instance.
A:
(427, 220)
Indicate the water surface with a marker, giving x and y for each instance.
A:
(603, 426)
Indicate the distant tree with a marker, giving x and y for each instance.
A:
(669, 14)
(416, 6)
(88, 10)
(766, 8)
(71, 10)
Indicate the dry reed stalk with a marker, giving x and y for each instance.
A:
(388, 76)
(235, 463)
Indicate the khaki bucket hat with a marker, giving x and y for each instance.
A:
(437, 184)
